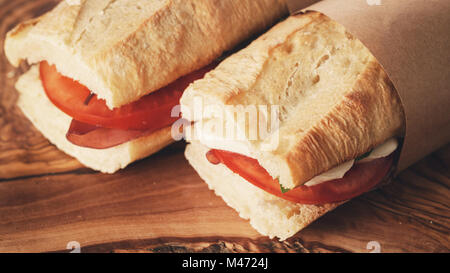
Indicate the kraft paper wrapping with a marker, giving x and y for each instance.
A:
(411, 40)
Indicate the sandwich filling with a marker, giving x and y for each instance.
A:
(341, 183)
(96, 126)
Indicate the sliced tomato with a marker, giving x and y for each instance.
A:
(359, 179)
(91, 136)
(150, 112)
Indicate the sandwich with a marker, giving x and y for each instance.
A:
(105, 75)
(297, 123)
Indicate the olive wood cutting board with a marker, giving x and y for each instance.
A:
(50, 203)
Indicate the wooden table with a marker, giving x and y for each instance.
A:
(159, 204)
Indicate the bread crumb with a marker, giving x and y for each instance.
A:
(11, 74)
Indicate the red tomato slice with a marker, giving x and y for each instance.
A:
(91, 136)
(359, 179)
(150, 112)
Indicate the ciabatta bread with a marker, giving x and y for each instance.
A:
(268, 214)
(335, 100)
(122, 50)
(54, 125)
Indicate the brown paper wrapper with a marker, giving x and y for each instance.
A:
(411, 40)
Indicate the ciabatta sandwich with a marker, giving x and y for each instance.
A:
(105, 74)
(338, 121)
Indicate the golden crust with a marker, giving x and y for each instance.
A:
(122, 50)
(365, 118)
(268, 214)
(335, 100)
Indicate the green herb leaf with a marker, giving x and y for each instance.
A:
(283, 189)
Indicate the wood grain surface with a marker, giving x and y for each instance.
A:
(159, 204)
